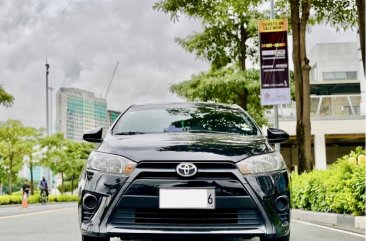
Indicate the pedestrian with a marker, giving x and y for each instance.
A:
(26, 188)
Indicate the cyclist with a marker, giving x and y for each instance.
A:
(43, 186)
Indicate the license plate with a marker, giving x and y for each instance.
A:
(184, 198)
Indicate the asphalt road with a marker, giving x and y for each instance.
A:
(59, 223)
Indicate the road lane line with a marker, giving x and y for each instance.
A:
(329, 228)
(30, 214)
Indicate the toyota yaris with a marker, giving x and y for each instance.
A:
(187, 169)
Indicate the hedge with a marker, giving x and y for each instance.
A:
(17, 199)
(339, 189)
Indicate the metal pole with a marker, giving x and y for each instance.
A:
(51, 108)
(47, 108)
(275, 107)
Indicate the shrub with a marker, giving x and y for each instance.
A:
(66, 187)
(63, 198)
(17, 199)
(340, 189)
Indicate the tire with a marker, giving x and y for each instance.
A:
(284, 238)
(90, 238)
(43, 198)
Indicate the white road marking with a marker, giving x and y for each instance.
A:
(30, 214)
(333, 229)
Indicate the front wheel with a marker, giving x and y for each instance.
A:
(284, 238)
(90, 238)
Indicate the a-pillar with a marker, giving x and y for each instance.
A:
(320, 153)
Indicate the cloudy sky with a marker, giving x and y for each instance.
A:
(83, 40)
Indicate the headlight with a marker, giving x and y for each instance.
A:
(110, 163)
(262, 163)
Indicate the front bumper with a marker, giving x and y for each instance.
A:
(245, 206)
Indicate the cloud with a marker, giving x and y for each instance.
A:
(83, 40)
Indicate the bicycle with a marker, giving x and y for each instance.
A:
(44, 198)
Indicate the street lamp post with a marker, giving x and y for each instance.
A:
(47, 108)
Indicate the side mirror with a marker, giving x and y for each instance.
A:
(276, 135)
(93, 135)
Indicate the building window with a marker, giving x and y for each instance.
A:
(352, 75)
(344, 75)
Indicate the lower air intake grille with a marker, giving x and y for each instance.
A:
(224, 216)
(187, 217)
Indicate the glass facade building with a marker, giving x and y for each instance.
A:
(112, 116)
(79, 110)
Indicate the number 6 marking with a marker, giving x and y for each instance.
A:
(210, 200)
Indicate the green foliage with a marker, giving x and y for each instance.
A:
(16, 185)
(6, 99)
(66, 187)
(340, 189)
(340, 14)
(63, 198)
(229, 28)
(16, 141)
(65, 156)
(225, 85)
(17, 199)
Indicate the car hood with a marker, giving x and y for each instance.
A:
(185, 147)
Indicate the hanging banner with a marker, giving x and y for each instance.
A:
(275, 88)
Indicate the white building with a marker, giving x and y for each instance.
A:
(337, 119)
(78, 111)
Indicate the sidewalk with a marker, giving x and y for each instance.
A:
(341, 221)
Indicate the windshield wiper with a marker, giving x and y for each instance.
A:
(206, 131)
(129, 133)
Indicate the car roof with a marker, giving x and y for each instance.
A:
(187, 104)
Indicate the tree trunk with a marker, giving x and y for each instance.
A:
(10, 174)
(302, 85)
(361, 26)
(31, 176)
(244, 99)
(242, 59)
(72, 184)
(243, 47)
(62, 183)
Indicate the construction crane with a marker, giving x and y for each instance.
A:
(110, 82)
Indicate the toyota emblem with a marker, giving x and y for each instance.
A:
(186, 169)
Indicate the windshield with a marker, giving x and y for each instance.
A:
(185, 118)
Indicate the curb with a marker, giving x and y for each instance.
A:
(343, 221)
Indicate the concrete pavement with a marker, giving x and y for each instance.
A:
(59, 223)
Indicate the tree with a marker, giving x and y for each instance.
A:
(229, 28)
(64, 156)
(224, 85)
(77, 153)
(6, 99)
(14, 142)
(341, 14)
(361, 26)
(300, 12)
(54, 146)
(34, 153)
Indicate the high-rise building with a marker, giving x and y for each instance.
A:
(112, 116)
(79, 110)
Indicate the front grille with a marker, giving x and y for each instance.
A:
(186, 217)
(198, 176)
(173, 165)
(212, 170)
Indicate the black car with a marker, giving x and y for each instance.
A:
(187, 169)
